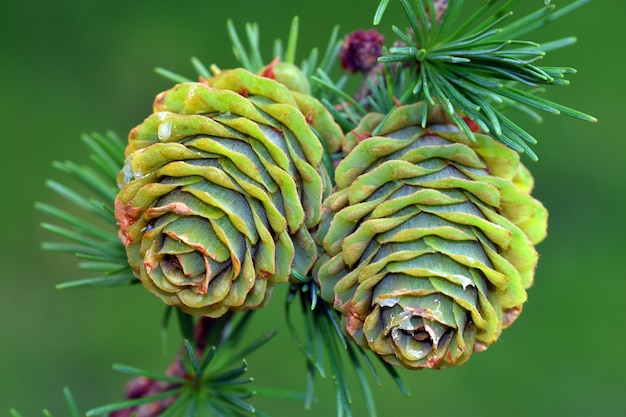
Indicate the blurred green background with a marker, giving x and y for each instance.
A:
(69, 67)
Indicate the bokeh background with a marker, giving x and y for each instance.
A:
(74, 66)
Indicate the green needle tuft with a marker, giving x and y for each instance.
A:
(480, 67)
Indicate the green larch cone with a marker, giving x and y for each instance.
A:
(220, 188)
(428, 239)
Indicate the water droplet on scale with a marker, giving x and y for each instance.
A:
(465, 282)
(165, 131)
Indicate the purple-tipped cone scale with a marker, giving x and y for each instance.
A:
(428, 239)
(220, 189)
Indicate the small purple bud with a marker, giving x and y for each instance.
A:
(360, 51)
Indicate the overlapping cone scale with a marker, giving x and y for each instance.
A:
(428, 239)
(220, 190)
